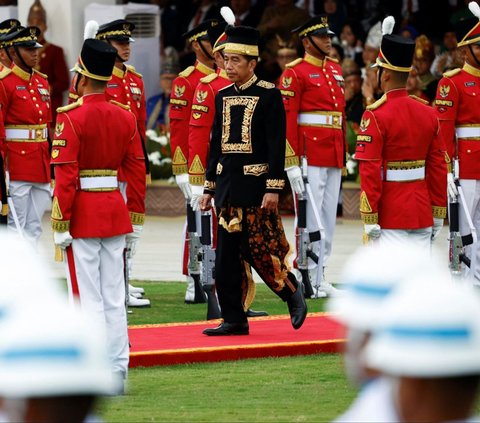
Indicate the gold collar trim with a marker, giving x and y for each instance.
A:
(247, 84)
(118, 72)
(204, 68)
(471, 70)
(314, 61)
(17, 70)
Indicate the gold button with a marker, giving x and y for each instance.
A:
(314, 138)
(469, 151)
(318, 85)
(334, 97)
(32, 91)
(36, 105)
(336, 104)
(40, 112)
(328, 76)
(126, 88)
(40, 120)
(128, 103)
(24, 97)
(23, 151)
(123, 80)
(34, 98)
(128, 95)
(332, 90)
(329, 82)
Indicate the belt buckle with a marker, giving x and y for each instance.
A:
(38, 134)
(336, 120)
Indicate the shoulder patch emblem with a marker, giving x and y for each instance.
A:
(55, 153)
(265, 84)
(201, 96)
(196, 115)
(364, 124)
(364, 204)
(179, 90)
(59, 128)
(56, 211)
(286, 81)
(444, 90)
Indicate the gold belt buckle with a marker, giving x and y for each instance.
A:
(38, 134)
(336, 120)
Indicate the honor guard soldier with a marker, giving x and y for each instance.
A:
(245, 173)
(25, 102)
(201, 122)
(5, 27)
(181, 100)
(457, 108)
(403, 170)
(313, 95)
(94, 138)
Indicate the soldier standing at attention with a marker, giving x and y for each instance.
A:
(313, 95)
(245, 173)
(181, 100)
(5, 27)
(25, 102)
(94, 138)
(457, 108)
(403, 171)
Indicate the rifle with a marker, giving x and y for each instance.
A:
(208, 268)
(305, 250)
(194, 248)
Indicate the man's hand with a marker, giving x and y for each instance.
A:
(373, 231)
(270, 201)
(132, 240)
(206, 202)
(294, 174)
(184, 185)
(197, 194)
(62, 239)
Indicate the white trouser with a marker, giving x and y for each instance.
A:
(98, 266)
(325, 185)
(421, 237)
(190, 292)
(471, 191)
(31, 200)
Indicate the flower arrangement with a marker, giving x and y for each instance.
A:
(158, 150)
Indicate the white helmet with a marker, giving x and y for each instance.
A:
(429, 329)
(370, 276)
(49, 351)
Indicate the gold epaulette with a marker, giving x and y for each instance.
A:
(123, 106)
(73, 96)
(5, 72)
(332, 59)
(294, 63)
(265, 84)
(72, 106)
(132, 69)
(187, 72)
(421, 100)
(378, 103)
(209, 78)
(452, 72)
(43, 75)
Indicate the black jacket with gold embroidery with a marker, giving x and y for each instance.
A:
(247, 149)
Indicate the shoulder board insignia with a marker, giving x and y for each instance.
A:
(72, 106)
(265, 84)
(123, 106)
(132, 69)
(378, 103)
(209, 78)
(187, 72)
(332, 59)
(73, 96)
(43, 75)
(294, 63)
(5, 72)
(452, 72)
(421, 100)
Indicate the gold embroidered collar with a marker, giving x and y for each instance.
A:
(247, 84)
(313, 60)
(118, 72)
(204, 68)
(471, 70)
(17, 70)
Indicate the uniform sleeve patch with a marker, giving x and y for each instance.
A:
(59, 143)
(364, 204)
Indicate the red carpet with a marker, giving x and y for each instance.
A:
(273, 336)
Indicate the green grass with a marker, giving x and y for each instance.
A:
(288, 389)
(168, 304)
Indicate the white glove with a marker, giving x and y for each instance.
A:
(183, 184)
(197, 193)
(373, 231)
(62, 239)
(437, 227)
(294, 174)
(451, 187)
(132, 240)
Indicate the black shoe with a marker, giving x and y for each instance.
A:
(226, 329)
(253, 313)
(297, 307)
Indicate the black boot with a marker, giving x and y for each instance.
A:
(297, 306)
(253, 313)
(226, 329)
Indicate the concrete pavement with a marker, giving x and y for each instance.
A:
(158, 255)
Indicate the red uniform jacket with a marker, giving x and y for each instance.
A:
(314, 100)
(457, 105)
(403, 172)
(52, 63)
(85, 146)
(201, 122)
(181, 99)
(25, 103)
